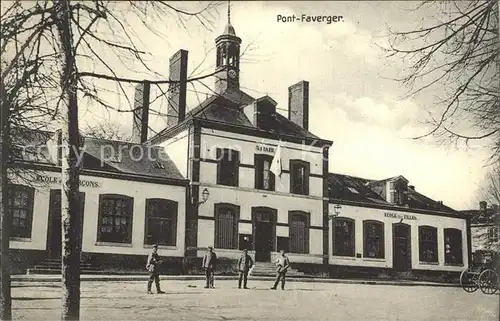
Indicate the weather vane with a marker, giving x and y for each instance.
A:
(229, 11)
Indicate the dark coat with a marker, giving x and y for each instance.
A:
(245, 263)
(153, 262)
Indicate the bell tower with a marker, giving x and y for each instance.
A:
(227, 67)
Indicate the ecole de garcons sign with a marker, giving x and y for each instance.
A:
(57, 180)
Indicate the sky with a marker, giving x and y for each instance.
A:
(353, 99)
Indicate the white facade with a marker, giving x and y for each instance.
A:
(388, 218)
(93, 186)
(246, 196)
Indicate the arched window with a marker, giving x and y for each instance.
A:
(115, 218)
(161, 222)
(226, 226)
(373, 232)
(21, 208)
(427, 241)
(298, 231)
(453, 246)
(343, 237)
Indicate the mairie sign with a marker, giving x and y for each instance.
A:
(266, 149)
(57, 180)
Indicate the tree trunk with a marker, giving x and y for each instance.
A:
(5, 299)
(70, 206)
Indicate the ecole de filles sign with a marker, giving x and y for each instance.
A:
(400, 216)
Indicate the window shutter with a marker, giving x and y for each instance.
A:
(218, 157)
(272, 179)
(259, 166)
(173, 208)
(99, 233)
(306, 179)
(146, 223)
(236, 169)
(292, 177)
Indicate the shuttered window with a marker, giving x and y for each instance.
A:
(299, 177)
(264, 178)
(299, 231)
(228, 162)
(226, 226)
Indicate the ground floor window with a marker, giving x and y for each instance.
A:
(373, 232)
(299, 232)
(21, 206)
(115, 218)
(453, 246)
(427, 242)
(161, 222)
(343, 237)
(226, 226)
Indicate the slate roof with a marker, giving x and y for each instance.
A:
(356, 189)
(134, 158)
(227, 109)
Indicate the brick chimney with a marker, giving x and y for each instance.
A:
(298, 104)
(482, 206)
(411, 187)
(176, 110)
(141, 113)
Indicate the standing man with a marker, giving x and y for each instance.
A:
(282, 265)
(245, 263)
(209, 264)
(153, 266)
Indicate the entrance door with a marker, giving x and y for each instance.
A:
(263, 241)
(54, 235)
(401, 247)
(264, 231)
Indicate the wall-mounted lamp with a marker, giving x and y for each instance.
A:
(204, 196)
(336, 211)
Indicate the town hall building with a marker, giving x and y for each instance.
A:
(236, 174)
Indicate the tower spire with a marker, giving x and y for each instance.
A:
(229, 11)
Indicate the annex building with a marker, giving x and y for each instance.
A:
(233, 173)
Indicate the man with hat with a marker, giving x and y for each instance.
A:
(245, 263)
(209, 263)
(153, 266)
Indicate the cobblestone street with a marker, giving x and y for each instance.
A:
(187, 300)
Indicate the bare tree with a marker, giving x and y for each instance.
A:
(458, 52)
(107, 130)
(46, 47)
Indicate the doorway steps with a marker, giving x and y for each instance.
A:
(53, 266)
(269, 269)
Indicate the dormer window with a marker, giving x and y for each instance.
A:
(115, 159)
(398, 190)
(159, 165)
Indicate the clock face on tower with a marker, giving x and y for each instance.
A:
(232, 73)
